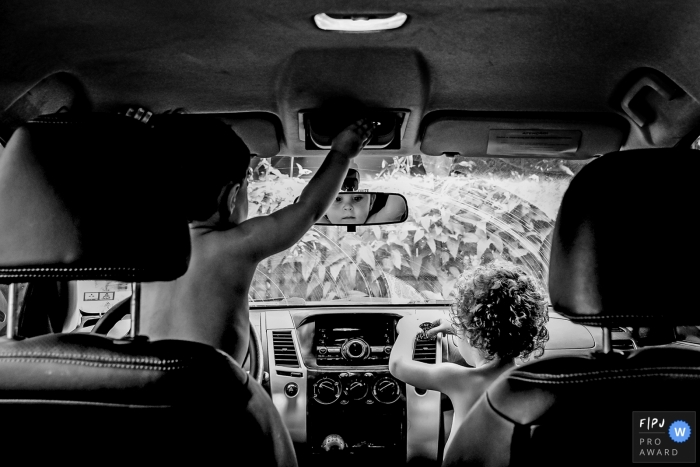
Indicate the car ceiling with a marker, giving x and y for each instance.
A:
(235, 55)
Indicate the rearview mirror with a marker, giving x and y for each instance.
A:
(353, 208)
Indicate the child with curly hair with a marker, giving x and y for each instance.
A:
(499, 315)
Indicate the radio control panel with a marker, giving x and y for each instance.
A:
(354, 340)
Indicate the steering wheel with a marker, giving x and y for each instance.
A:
(255, 351)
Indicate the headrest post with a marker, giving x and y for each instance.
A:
(12, 312)
(134, 308)
(607, 340)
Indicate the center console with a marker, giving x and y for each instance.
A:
(330, 382)
(355, 408)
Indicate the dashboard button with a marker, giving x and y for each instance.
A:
(322, 350)
(291, 390)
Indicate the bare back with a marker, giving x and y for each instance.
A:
(467, 386)
(209, 303)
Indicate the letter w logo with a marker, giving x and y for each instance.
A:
(680, 431)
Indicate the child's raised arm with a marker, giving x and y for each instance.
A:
(280, 230)
(438, 377)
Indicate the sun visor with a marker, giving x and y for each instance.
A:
(495, 134)
(259, 130)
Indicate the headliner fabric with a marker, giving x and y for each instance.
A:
(623, 249)
(89, 196)
(236, 55)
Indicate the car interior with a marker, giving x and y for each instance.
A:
(560, 137)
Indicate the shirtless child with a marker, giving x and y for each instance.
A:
(209, 304)
(499, 315)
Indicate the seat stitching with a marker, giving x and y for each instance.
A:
(89, 357)
(52, 122)
(65, 274)
(599, 317)
(604, 378)
(600, 372)
(99, 364)
(608, 378)
(104, 268)
(90, 403)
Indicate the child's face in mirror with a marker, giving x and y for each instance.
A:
(350, 208)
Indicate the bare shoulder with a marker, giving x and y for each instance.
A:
(461, 380)
(453, 377)
(237, 241)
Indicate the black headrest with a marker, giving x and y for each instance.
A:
(89, 197)
(623, 249)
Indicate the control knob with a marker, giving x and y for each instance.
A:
(355, 349)
(326, 390)
(356, 389)
(333, 443)
(386, 390)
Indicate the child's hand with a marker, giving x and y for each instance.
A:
(440, 325)
(351, 140)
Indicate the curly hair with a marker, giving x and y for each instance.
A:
(502, 312)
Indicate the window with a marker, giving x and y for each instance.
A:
(696, 144)
(4, 288)
(92, 300)
(463, 212)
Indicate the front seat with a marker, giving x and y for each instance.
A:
(620, 257)
(90, 197)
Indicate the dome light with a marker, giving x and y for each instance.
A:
(359, 23)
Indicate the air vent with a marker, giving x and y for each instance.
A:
(285, 354)
(617, 330)
(623, 344)
(425, 351)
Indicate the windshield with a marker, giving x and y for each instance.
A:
(463, 212)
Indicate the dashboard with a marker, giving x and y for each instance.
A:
(329, 379)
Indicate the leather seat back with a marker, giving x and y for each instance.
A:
(101, 399)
